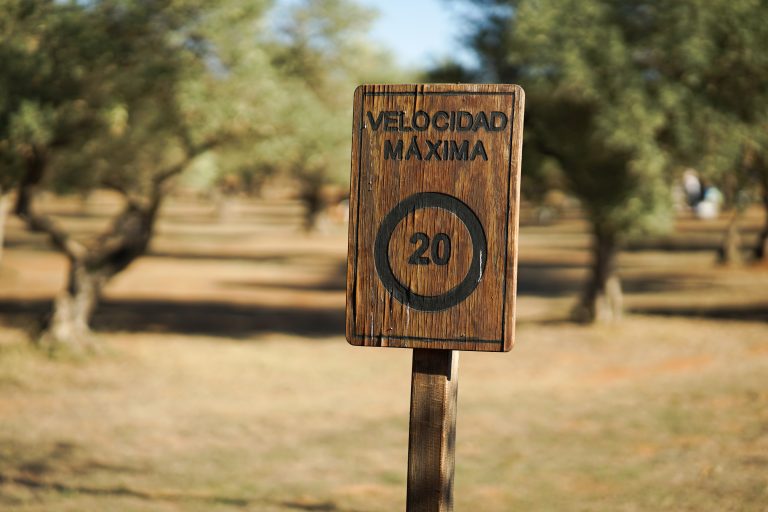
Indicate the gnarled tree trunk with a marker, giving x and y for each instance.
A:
(69, 324)
(602, 299)
(128, 238)
(93, 264)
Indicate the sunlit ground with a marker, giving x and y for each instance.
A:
(226, 384)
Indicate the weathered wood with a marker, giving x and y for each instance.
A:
(434, 208)
(432, 437)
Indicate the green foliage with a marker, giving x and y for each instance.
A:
(322, 54)
(111, 92)
(711, 56)
(683, 79)
(590, 104)
(86, 86)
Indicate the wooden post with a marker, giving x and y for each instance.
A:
(432, 260)
(432, 435)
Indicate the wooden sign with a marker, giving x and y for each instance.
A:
(434, 216)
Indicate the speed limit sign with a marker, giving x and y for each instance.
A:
(434, 216)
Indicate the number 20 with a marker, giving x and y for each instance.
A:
(441, 249)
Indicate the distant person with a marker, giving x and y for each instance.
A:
(693, 188)
(709, 206)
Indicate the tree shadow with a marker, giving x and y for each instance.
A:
(280, 258)
(564, 279)
(326, 506)
(335, 280)
(43, 460)
(216, 318)
(121, 490)
(693, 240)
(751, 313)
(545, 279)
(677, 282)
(535, 278)
(192, 317)
(323, 286)
(52, 467)
(39, 244)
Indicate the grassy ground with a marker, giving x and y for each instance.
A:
(226, 384)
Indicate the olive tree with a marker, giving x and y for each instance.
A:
(323, 52)
(118, 94)
(591, 111)
(711, 56)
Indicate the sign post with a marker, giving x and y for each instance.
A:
(432, 263)
(432, 432)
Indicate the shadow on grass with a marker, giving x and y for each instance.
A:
(542, 279)
(566, 279)
(193, 317)
(37, 467)
(121, 490)
(324, 286)
(281, 257)
(165, 495)
(34, 463)
(666, 283)
(702, 239)
(315, 507)
(38, 244)
(220, 318)
(754, 312)
(335, 280)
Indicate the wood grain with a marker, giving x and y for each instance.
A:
(432, 436)
(385, 175)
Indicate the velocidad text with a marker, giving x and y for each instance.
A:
(449, 148)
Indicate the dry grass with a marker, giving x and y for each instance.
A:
(226, 386)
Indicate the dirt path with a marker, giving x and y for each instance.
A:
(226, 383)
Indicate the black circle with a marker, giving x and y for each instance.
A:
(479, 251)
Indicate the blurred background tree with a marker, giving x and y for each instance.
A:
(709, 54)
(127, 95)
(622, 96)
(101, 112)
(319, 52)
(590, 112)
(322, 51)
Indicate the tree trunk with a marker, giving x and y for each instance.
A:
(69, 325)
(3, 218)
(761, 248)
(602, 299)
(94, 263)
(113, 252)
(729, 252)
(312, 198)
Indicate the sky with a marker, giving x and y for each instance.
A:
(419, 32)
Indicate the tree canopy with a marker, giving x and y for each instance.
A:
(623, 95)
(590, 109)
(710, 56)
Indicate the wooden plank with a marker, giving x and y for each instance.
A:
(434, 205)
(432, 436)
